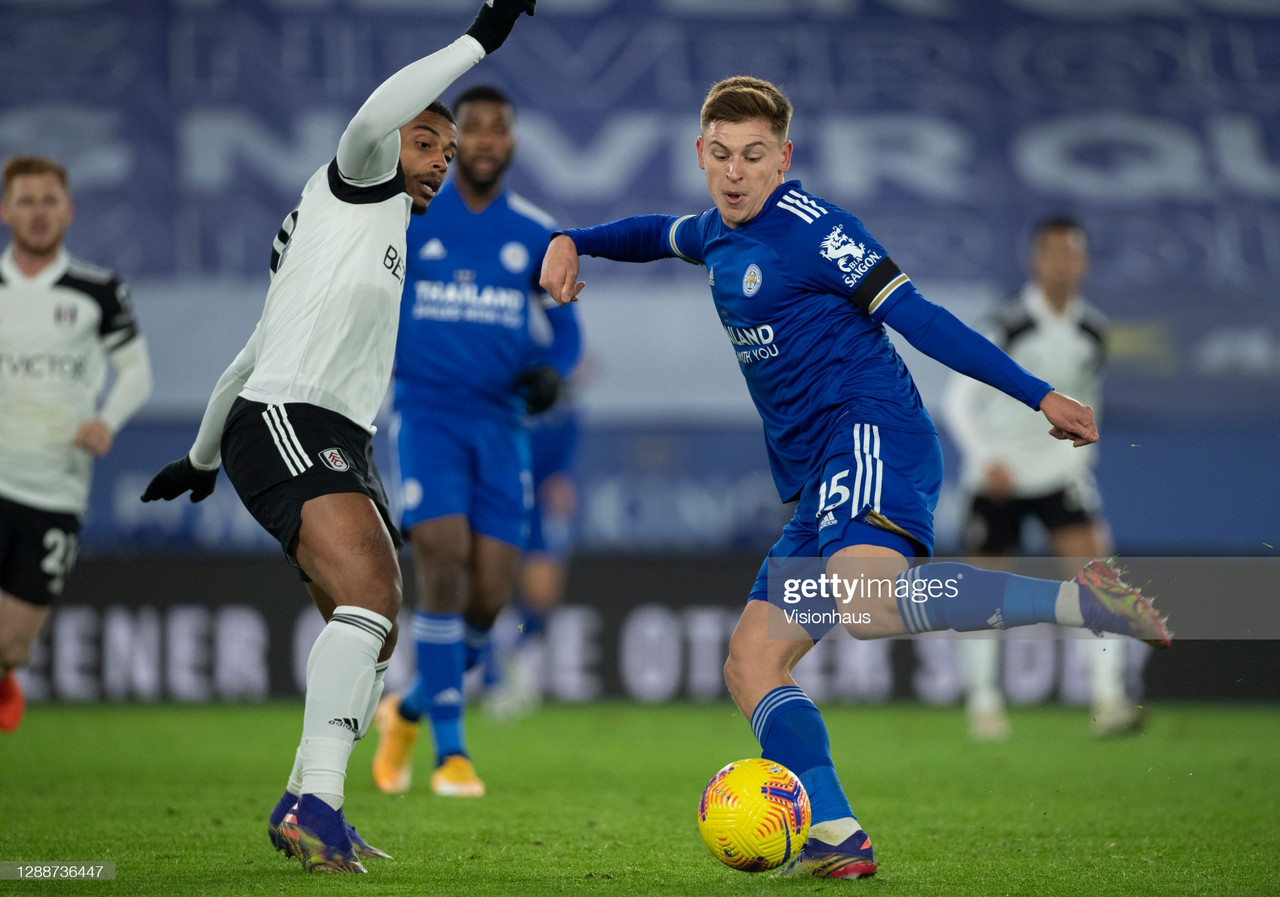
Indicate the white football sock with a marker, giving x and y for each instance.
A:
(340, 678)
(375, 696)
(980, 664)
(1067, 609)
(295, 775)
(835, 831)
(1106, 669)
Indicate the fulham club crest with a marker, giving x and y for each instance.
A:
(334, 459)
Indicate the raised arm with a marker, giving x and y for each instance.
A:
(369, 149)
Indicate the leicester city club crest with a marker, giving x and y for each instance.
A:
(751, 281)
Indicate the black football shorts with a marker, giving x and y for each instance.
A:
(279, 457)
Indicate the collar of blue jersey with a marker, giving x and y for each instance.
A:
(769, 204)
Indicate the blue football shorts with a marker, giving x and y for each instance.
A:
(875, 486)
(452, 463)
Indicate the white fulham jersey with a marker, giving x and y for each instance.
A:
(328, 330)
(1066, 349)
(56, 330)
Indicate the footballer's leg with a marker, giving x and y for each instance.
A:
(435, 466)
(490, 579)
(946, 594)
(344, 547)
(293, 790)
(998, 526)
(763, 650)
(20, 624)
(441, 548)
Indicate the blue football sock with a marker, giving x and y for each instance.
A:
(437, 688)
(791, 732)
(948, 595)
(475, 645)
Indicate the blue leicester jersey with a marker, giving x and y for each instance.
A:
(469, 284)
(801, 290)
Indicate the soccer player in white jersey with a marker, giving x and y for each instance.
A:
(291, 418)
(1011, 473)
(61, 321)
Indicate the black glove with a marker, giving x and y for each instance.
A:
(539, 386)
(177, 477)
(496, 19)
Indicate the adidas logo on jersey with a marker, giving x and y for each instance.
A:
(346, 722)
(432, 249)
(828, 520)
(801, 206)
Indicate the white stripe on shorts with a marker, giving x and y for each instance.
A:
(286, 440)
(870, 469)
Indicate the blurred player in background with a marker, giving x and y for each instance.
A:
(61, 321)
(1013, 474)
(467, 371)
(292, 417)
(804, 293)
(522, 660)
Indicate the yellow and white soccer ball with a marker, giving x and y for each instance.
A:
(754, 815)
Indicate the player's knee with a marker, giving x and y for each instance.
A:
(441, 547)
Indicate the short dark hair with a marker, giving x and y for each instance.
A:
(19, 166)
(441, 110)
(482, 93)
(1056, 223)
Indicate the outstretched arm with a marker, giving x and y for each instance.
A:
(642, 238)
(370, 146)
(944, 337)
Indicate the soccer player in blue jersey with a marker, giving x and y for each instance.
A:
(804, 293)
(553, 449)
(467, 371)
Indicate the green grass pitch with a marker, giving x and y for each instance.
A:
(601, 799)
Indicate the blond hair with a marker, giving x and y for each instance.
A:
(744, 98)
(20, 166)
